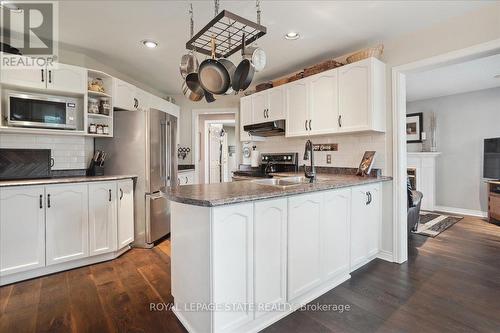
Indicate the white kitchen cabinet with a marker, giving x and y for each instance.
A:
(185, 177)
(297, 108)
(270, 228)
(125, 205)
(260, 104)
(362, 96)
(67, 78)
(304, 243)
(143, 99)
(324, 109)
(66, 223)
(335, 233)
(366, 217)
(268, 105)
(102, 217)
(232, 270)
(26, 78)
(245, 118)
(22, 229)
(124, 95)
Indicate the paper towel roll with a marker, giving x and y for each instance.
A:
(255, 158)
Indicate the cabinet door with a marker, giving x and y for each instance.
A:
(304, 243)
(66, 223)
(102, 217)
(354, 96)
(259, 107)
(324, 103)
(335, 233)
(270, 252)
(124, 95)
(360, 226)
(297, 109)
(67, 78)
(245, 117)
(374, 219)
(22, 229)
(143, 100)
(125, 212)
(276, 107)
(232, 228)
(28, 78)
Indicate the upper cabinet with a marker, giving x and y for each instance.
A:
(347, 99)
(362, 96)
(60, 77)
(124, 95)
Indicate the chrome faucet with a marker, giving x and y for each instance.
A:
(309, 153)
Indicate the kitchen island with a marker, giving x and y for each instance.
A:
(245, 254)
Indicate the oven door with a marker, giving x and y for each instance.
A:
(40, 111)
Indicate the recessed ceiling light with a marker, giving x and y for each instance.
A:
(149, 43)
(292, 35)
(497, 76)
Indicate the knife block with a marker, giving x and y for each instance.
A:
(95, 170)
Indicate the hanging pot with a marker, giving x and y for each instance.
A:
(231, 68)
(209, 97)
(191, 87)
(213, 76)
(189, 64)
(244, 73)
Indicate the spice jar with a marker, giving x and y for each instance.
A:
(105, 129)
(104, 107)
(93, 105)
(92, 129)
(99, 129)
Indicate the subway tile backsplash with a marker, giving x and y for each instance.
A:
(350, 150)
(68, 152)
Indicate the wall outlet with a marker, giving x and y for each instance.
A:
(328, 158)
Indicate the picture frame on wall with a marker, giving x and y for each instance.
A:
(414, 127)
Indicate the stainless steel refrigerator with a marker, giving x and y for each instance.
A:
(144, 144)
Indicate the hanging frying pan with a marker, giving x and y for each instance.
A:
(213, 75)
(231, 68)
(191, 88)
(244, 73)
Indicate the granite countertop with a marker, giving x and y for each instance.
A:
(62, 180)
(210, 195)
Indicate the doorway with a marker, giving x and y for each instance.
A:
(400, 164)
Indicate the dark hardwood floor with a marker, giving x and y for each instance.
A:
(449, 284)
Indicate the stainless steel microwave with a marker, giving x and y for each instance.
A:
(40, 110)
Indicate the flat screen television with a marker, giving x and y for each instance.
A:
(491, 163)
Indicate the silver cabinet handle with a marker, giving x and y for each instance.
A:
(121, 194)
(50, 76)
(340, 120)
(368, 198)
(310, 128)
(187, 180)
(109, 195)
(48, 200)
(305, 125)
(41, 201)
(43, 78)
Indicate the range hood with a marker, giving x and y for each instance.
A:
(270, 128)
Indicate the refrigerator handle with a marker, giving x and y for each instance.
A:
(169, 152)
(162, 151)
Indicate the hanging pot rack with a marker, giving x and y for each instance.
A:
(228, 30)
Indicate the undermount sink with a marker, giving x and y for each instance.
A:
(283, 182)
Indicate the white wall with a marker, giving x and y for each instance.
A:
(463, 122)
(68, 152)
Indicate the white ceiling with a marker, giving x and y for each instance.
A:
(468, 76)
(110, 31)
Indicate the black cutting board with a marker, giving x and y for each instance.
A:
(24, 163)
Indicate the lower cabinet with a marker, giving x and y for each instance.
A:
(102, 217)
(232, 264)
(66, 222)
(304, 243)
(47, 225)
(125, 212)
(185, 178)
(365, 224)
(22, 229)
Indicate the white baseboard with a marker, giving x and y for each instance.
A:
(461, 211)
(385, 255)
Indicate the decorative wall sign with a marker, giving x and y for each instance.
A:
(326, 147)
(414, 127)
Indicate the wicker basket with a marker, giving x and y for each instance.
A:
(263, 86)
(296, 76)
(280, 82)
(321, 67)
(367, 53)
